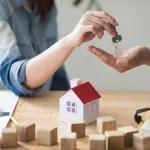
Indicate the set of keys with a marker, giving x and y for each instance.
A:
(116, 39)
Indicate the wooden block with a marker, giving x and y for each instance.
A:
(141, 138)
(77, 127)
(9, 138)
(47, 136)
(128, 135)
(141, 141)
(0, 145)
(26, 132)
(105, 124)
(97, 142)
(140, 146)
(68, 141)
(114, 140)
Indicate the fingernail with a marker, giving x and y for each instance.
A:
(116, 23)
(93, 48)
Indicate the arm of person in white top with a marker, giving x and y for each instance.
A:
(24, 77)
(91, 24)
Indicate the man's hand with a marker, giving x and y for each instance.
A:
(131, 58)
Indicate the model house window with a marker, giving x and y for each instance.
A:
(94, 106)
(68, 109)
(73, 104)
(68, 103)
(71, 107)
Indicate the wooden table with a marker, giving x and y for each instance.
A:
(44, 111)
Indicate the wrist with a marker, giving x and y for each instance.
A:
(70, 42)
(146, 58)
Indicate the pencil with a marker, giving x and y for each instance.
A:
(14, 120)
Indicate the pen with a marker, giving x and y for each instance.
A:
(14, 120)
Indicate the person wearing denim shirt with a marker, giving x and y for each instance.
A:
(30, 58)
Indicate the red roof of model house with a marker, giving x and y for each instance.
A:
(86, 92)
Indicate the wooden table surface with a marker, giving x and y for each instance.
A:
(44, 111)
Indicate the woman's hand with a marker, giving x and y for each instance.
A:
(131, 58)
(91, 24)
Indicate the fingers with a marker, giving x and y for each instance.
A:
(129, 61)
(98, 29)
(103, 15)
(90, 28)
(108, 59)
(105, 25)
(100, 34)
(104, 56)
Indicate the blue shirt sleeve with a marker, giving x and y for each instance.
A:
(12, 64)
(12, 72)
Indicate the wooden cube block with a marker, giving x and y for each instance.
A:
(97, 142)
(77, 127)
(139, 146)
(26, 132)
(68, 141)
(9, 138)
(141, 141)
(105, 124)
(114, 140)
(47, 136)
(0, 145)
(128, 135)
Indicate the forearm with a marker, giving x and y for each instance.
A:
(40, 68)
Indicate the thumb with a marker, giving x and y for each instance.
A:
(96, 51)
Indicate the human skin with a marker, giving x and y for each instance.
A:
(131, 58)
(40, 68)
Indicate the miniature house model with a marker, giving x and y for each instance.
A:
(80, 103)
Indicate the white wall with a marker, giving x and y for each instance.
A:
(69, 116)
(134, 19)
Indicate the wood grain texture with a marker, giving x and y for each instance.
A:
(44, 110)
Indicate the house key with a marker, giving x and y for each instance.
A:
(116, 39)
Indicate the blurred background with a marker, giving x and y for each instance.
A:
(134, 21)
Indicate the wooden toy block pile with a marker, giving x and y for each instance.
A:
(108, 137)
(118, 139)
(25, 133)
(45, 135)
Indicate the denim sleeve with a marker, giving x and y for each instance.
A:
(12, 64)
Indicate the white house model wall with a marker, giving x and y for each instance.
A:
(80, 103)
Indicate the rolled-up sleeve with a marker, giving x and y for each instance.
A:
(12, 64)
